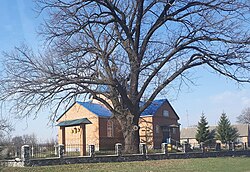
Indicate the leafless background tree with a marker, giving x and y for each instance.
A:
(127, 51)
(29, 139)
(244, 117)
(5, 127)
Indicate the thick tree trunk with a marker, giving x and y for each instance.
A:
(131, 140)
(130, 130)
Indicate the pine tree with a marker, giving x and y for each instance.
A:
(203, 134)
(225, 131)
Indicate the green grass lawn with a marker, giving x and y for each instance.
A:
(238, 164)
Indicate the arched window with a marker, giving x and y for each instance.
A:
(110, 129)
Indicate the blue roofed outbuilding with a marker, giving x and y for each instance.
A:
(156, 123)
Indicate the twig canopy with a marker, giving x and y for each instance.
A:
(135, 48)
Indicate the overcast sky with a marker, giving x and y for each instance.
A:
(212, 94)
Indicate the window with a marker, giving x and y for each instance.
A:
(174, 130)
(157, 129)
(110, 131)
(165, 113)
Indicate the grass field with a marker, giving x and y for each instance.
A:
(239, 164)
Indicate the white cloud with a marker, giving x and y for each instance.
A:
(234, 98)
(230, 102)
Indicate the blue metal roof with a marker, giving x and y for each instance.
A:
(153, 107)
(97, 109)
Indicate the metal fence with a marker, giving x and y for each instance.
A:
(36, 151)
(195, 147)
(74, 150)
(43, 151)
(10, 151)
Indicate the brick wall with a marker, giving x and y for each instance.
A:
(117, 137)
(160, 120)
(146, 131)
(92, 130)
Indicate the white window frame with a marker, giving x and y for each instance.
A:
(165, 113)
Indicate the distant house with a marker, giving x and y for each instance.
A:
(188, 134)
(158, 123)
(90, 123)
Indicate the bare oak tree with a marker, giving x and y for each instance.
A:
(126, 50)
(244, 117)
(5, 126)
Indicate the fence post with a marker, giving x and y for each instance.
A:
(218, 147)
(185, 147)
(164, 148)
(229, 146)
(245, 146)
(233, 146)
(118, 149)
(56, 150)
(202, 145)
(143, 148)
(25, 153)
(92, 151)
(32, 151)
(61, 150)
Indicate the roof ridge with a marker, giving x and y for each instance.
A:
(100, 108)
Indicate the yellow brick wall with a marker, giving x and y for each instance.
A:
(92, 130)
(146, 131)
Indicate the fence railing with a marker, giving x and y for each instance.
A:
(43, 151)
(10, 151)
(74, 150)
(35, 151)
(195, 147)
